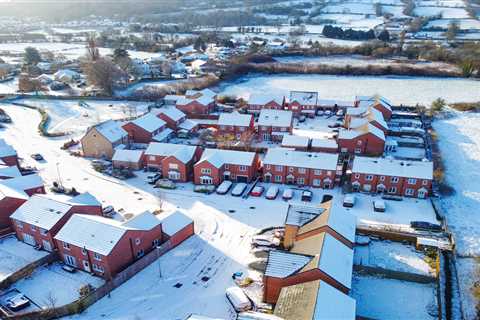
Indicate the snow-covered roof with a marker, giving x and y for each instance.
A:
(324, 143)
(143, 221)
(111, 130)
(149, 122)
(234, 119)
(185, 50)
(41, 211)
(162, 135)
(9, 192)
(314, 300)
(6, 150)
(371, 100)
(356, 111)
(27, 182)
(204, 97)
(127, 155)
(360, 131)
(304, 98)
(264, 98)
(175, 222)
(182, 152)
(275, 118)
(9, 171)
(290, 140)
(85, 199)
(281, 264)
(300, 159)
(393, 168)
(298, 215)
(336, 260)
(370, 116)
(188, 124)
(219, 157)
(171, 112)
(66, 73)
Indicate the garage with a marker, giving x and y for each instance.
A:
(242, 179)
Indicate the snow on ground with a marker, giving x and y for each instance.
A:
(422, 90)
(51, 282)
(15, 255)
(350, 7)
(459, 141)
(463, 23)
(142, 85)
(446, 13)
(379, 298)
(10, 86)
(392, 256)
(71, 116)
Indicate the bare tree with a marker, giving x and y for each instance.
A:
(93, 53)
(102, 73)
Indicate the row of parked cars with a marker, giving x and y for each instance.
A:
(271, 193)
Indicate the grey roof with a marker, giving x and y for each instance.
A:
(282, 264)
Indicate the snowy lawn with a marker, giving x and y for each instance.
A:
(379, 298)
(15, 255)
(52, 283)
(392, 256)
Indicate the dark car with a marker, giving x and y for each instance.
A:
(427, 226)
(307, 195)
(37, 156)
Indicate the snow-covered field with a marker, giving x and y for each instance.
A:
(446, 13)
(379, 298)
(392, 256)
(459, 141)
(463, 23)
(15, 255)
(10, 86)
(422, 90)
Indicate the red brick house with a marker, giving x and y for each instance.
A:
(30, 184)
(105, 246)
(395, 177)
(302, 103)
(171, 115)
(197, 102)
(272, 125)
(10, 200)
(8, 155)
(365, 140)
(235, 124)
(300, 168)
(174, 161)
(358, 117)
(145, 128)
(377, 102)
(217, 165)
(324, 145)
(38, 220)
(128, 159)
(298, 143)
(319, 257)
(258, 102)
(176, 228)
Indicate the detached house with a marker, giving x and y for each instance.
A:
(128, 159)
(272, 125)
(10, 200)
(358, 117)
(196, 102)
(235, 124)
(396, 177)
(8, 155)
(39, 219)
(365, 140)
(174, 161)
(217, 165)
(105, 246)
(176, 228)
(301, 168)
(100, 141)
(258, 102)
(302, 102)
(176, 120)
(146, 129)
(377, 102)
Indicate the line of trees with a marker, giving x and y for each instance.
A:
(351, 34)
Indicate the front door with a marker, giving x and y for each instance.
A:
(422, 194)
(29, 239)
(86, 266)
(47, 245)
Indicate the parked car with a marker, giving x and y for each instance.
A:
(37, 156)
(302, 119)
(68, 268)
(287, 194)
(379, 206)
(165, 184)
(320, 112)
(328, 113)
(265, 241)
(349, 201)
(17, 302)
(272, 193)
(204, 188)
(427, 226)
(153, 178)
(108, 211)
(257, 191)
(239, 189)
(307, 195)
(238, 299)
(224, 187)
(340, 112)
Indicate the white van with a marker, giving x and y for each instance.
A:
(239, 189)
(287, 194)
(379, 206)
(349, 201)
(224, 187)
(238, 299)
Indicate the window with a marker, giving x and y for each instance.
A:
(140, 254)
(329, 173)
(242, 168)
(290, 169)
(409, 192)
(283, 129)
(278, 168)
(301, 181)
(358, 150)
(96, 256)
(394, 180)
(66, 246)
(359, 142)
(98, 268)
(412, 181)
(425, 182)
(155, 243)
(392, 190)
(317, 172)
(152, 158)
(242, 129)
(316, 182)
(227, 166)
(206, 171)
(43, 231)
(357, 176)
(19, 224)
(267, 166)
(33, 228)
(173, 166)
(137, 241)
(302, 170)
(382, 178)
(278, 178)
(84, 251)
(369, 177)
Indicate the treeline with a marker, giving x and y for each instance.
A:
(330, 31)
